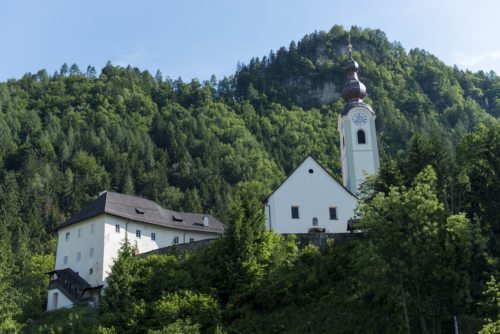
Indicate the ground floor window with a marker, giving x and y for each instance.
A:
(333, 213)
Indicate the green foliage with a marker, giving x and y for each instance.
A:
(204, 146)
(80, 319)
(178, 327)
(418, 259)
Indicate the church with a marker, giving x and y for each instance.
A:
(311, 199)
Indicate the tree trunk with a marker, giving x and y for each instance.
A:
(405, 310)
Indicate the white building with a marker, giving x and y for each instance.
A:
(89, 241)
(310, 198)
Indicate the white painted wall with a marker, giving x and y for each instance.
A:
(57, 300)
(164, 237)
(89, 238)
(314, 194)
(364, 159)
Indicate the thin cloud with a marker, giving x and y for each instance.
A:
(133, 58)
(474, 61)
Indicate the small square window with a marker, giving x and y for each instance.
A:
(191, 239)
(80, 232)
(78, 256)
(295, 212)
(333, 213)
(67, 236)
(117, 228)
(176, 240)
(65, 259)
(153, 236)
(91, 253)
(138, 233)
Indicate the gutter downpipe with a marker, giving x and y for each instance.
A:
(269, 216)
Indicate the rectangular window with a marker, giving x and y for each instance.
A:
(92, 229)
(191, 239)
(138, 233)
(176, 240)
(333, 213)
(153, 236)
(295, 212)
(91, 253)
(91, 271)
(67, 236)
(78, 256)
(80, 232)
(117, 228)
(65, 259)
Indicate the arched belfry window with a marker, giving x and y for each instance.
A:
(361, 137)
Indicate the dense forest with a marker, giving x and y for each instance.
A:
(431, 218)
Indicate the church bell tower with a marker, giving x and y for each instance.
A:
(356, 126)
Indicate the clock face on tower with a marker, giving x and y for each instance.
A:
(359, 119)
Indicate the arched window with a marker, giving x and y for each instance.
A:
(361, 137)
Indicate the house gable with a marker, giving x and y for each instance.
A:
(310, 197)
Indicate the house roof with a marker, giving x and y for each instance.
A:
(146, 211)
(72, 277)
(326, 171)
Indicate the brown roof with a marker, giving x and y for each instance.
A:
(146, 211)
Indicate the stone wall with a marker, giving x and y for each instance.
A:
(318, 239)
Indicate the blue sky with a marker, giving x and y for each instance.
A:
(195, 39)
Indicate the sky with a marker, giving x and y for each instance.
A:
(195, 39)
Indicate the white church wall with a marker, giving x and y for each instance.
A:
(364, 157)
(314, 193)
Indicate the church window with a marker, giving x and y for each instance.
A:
(333, 213)
(315, 221)
(65, 259)
(153, 236)
(78, 256)
(311, 171)
(343, 141)
(80, 232)
(67, 236)
(295, 212)
(361, 137)
(91, 271)
(117, 228)
(91, 253)
(92, 229)
(138, 233)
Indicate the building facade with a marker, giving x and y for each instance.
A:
(89, 242)
(310, 199)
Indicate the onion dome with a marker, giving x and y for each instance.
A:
(354, 90)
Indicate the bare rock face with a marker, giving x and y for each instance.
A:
(327, 93)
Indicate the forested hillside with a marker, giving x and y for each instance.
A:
(204, 145)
